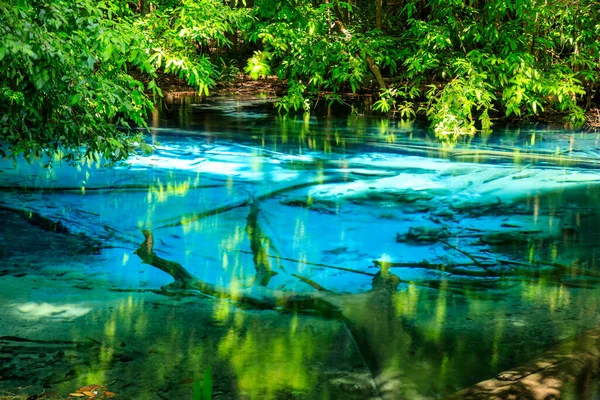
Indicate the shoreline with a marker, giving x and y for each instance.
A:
(244, 86)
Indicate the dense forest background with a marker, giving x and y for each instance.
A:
(75, 72)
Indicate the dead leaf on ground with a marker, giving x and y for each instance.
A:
(89, 388)
(92, 392)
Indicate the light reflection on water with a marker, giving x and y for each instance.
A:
(435, 320)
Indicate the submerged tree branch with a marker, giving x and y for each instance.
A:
(188, 218)
(257, 296)
(260, 254)
(449, 268)
(109, 188)
(360, 313)
(311, 283)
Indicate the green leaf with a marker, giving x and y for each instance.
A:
(74, 99)
(197, 390)
(107, 53)
(40, 82)
(207, 384)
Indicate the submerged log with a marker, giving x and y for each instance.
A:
(570, 369)
(423, 234)
(259, 297)
(311, 283)
(36, 219)
(465, 253)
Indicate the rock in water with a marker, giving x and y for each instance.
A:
(428, 234)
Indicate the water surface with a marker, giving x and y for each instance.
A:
(436, 263)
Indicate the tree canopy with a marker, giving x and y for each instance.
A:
(72, 71)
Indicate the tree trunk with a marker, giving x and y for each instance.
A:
(143, 6)
(370, 62)
(376, 72)
(378, 14)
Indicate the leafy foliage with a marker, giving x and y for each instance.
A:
(182, 35)
(64, 79)
(512, 58)
(311, 48)
(69, 68)
(520, 57)
(203, 390)
(258, 66)
(389, 100)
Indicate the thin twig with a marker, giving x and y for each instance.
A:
(311, 283)
(460, 251)
(354, 271)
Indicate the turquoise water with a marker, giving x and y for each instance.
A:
(330, 256)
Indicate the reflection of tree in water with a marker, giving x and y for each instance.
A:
(386, 337)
